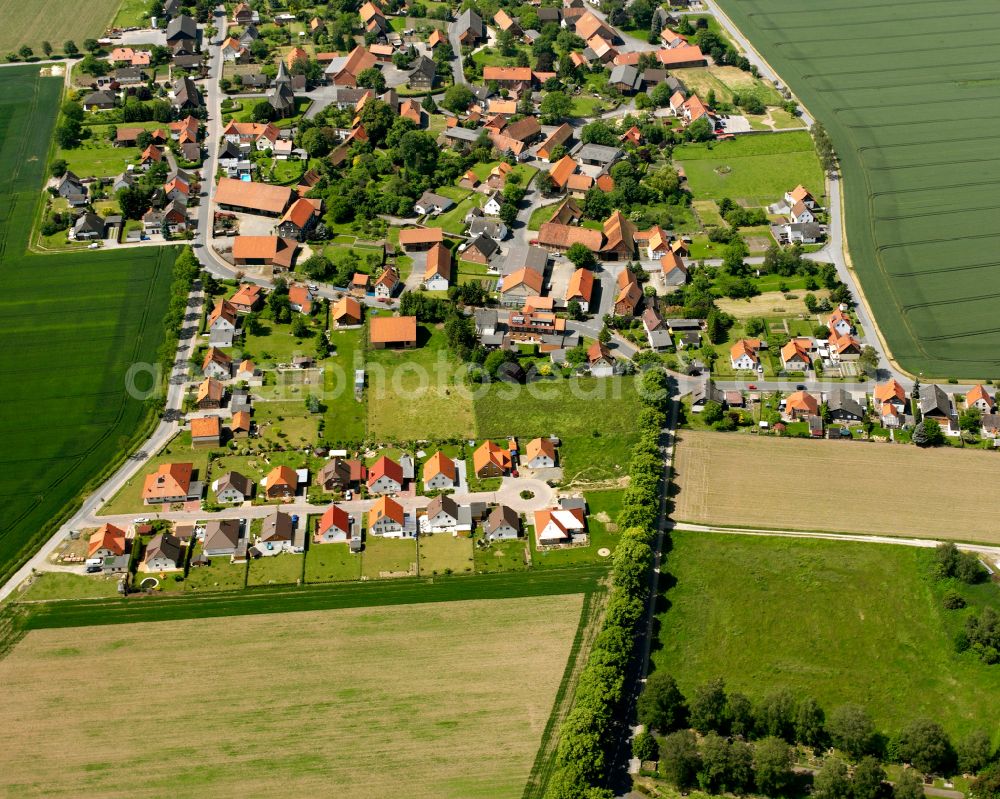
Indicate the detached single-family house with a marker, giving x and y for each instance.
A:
(891, 392)
(222, 537)
(502, 523)
(801, 404)
(800, 194)
(437, 273)
(106, 542)
(581, 289)
(795, 355)
(217, 364)
(442, 514)
(340, 473)
(540, 454)
(277, 532)
(163, 553)
(469, 28)
(171, 482)
(558, 525)
(385, 477)
(334, 526)
(346, 312)
(935, 403)
(222, 324)
(88, 227)
(233, 488)
(978, 397)
(387, 518)
(481, 248)
(843, 407)
(629, 294)
(440, 472)
(431, 203)
(743, 354)
(800, 214)
(281, 482)
(839, 323)
(600, 360)
(246, 299)
(491, 460)
(386, 283)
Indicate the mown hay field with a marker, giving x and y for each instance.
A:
(54, 21)
(920, 182)
(72, 325)
(836, 486)
(431, 700)
(840, 622)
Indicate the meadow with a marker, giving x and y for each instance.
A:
(919, 185)
(841, 622)
(72, 325)
(417, 393)
(754, 170)
(449, 730)
(54, 21)
(593, 417)
(836, 486)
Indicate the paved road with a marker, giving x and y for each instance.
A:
(456, 48)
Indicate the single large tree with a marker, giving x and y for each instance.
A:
(926, 745)
(661, 704)
(851, 730)
(832, 780)
(772, 766)
(679, 759)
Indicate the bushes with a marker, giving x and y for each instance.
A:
(588, 731)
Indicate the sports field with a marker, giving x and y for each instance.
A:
(71, 326)
(450, 699)
(54, 21)
(837, 486)
(842, 622)
(913, 118)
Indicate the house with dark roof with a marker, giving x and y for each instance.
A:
(843, 407)
(185, 95)
(423, 74)
(935, 403)
(469, 28)
(182, 35)
(502, 523)
(163, 553)
(88, 227)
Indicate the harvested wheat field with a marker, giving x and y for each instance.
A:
(433, 700)
(836, 486)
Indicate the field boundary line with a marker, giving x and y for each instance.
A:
(861, 538)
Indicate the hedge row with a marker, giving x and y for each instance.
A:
(590, 729)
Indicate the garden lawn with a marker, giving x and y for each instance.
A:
(842, 622)
(221, 575)
(501, 556)
(418, 391)
(593, 417)
(286, 423)
(344, 417)
(63, 585)
(442, 553)
(283, 569)
(97, 156)
(754, 170)
(603, 507)
(388, 557)
(331, 563)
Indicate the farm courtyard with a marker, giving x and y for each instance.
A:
(454, 695)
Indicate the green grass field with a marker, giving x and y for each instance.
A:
(72, 326)
(595, 445)
(919, 186)
(757, 170)
(842, 622)
(54, 21)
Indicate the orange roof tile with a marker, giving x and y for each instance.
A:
(439, 463)
(387, 507)
(206, 426)
(581, 286)
(107, 537)
(393, 329)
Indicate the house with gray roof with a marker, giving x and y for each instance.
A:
(503, 523)
(625, 78)
(469, 28)
(222, 537)
(935, 403)
(843, 407)
(88, 227)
